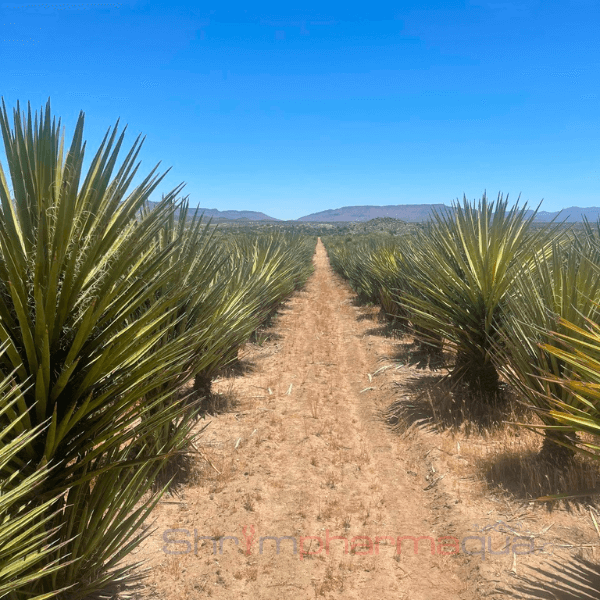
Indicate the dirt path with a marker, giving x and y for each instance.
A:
(304, 455)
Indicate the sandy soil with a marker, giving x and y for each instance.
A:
(304, 452)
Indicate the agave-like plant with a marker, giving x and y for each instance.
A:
(565, 286)
(577, 408)
(380, 270)
(195, 261)
(465, 264)
(260, 273)
(81, 314)
(387, 263)
(25, 540)
(371, 265)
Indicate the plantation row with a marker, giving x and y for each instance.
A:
(515, 304)
(107, 310)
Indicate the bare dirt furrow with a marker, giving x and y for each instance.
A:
(303, 491)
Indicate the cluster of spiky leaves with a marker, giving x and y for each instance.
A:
(576, 408)
(462, 266)
(258, 274)
(377, 268)
(25, 540)
(563, 287)
(466, 264)
(508, 297)
(106, 309)
(552, 350)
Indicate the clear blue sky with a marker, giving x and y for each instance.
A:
(291, 111)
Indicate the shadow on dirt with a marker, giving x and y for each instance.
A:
(360, 303)
(435, 402)
(575, 579)
(238, 368)
(526, 475)
(416, 354)
(383, 330)
(415, 410)
(365, 316)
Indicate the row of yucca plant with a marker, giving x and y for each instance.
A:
(512, 299)
(259, 272)
(379, 268)
(107, 308)
(376, 268)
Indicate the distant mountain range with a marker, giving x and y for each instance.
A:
(572, 214)
(411, 213)
(213, 213)
(421, 212)
(250, 215)
(405, 212)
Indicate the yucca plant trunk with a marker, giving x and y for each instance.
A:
(429, 343)
(401, 323)
(397, 319)
(202, 386)
(480, 377)
(553, 451)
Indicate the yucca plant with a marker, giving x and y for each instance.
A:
(465, 265)
(350, 260)
(386, 263)
(355, 261)
(261, 271)
(377, 268)
(576, 409)
(195, 261)
(429, 341)
(81, 314)
(25, 541)
(564, 286)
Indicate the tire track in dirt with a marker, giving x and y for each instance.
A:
(305, 460)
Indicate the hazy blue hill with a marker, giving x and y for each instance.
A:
(250, 215)
(572, 214)
(405, 212)
(214, 213)
(410, 213)
(414, 213)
